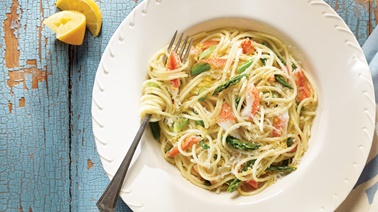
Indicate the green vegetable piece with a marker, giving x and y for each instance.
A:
(244, 66)
(249, 164)
(282, 81)
(180, 124)
(199, 68)
(207, 52)
(233, 185)
(293, 66)
(204, 145)
(155, 129)
(201, 90)
(229, 83)
(263, 60)
(152, 84)
(289, 141)
(200, 122)
(281, 168)
(242, 145)
(275, 94)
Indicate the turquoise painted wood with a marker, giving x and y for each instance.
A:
(88, 176)
(48, 158)
(34, 111)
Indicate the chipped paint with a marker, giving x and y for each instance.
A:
(12, 54)
(40, 31)
(10, 106)
(16, 73)
(89, 164)
(22, 102)
(17, 76)
(364, 3)
(37, 74)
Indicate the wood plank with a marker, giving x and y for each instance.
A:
(34, 111)
(373, 14)
(88, 176)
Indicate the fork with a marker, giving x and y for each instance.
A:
(109, 198)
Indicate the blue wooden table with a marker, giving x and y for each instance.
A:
(48, 158)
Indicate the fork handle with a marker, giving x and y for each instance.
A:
(109, 198)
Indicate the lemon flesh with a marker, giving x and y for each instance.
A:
(89, 8)
(68, 25)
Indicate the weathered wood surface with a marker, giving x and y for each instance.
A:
(48, 158)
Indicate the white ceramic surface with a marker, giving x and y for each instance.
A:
(342, 131)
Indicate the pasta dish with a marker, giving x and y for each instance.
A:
(236, 115)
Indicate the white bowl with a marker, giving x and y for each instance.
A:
(342, 131)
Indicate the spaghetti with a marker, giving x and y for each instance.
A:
(236, 116)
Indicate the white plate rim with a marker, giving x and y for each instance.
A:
(108, 115)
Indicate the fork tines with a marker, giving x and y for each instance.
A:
(185, 47)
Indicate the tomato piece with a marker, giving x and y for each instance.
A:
(253, 183)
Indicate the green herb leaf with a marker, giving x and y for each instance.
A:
(242, 145)
(207, 52)
(233, 185)
(199, 68)
(155, 129)
(229, 83)
(293, 66)
(281, 168)
(263, 60)
(204, 145)
(244, 66)
(282, 81)
(237, 101)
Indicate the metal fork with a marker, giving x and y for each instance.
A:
(109, 198)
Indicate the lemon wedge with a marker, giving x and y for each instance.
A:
(89, 8)
(68, 25)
